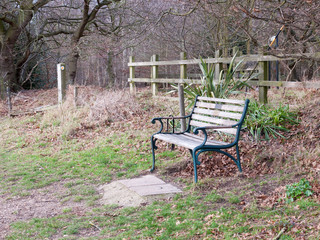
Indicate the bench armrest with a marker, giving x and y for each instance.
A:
(169, 118)
(153, 121)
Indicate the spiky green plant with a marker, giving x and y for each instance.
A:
(222, 87)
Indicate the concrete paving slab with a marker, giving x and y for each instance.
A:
(136, 192)
(155, 189)
(116, 193)
(147, 180)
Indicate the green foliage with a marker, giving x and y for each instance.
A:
(214, 197)
(297, 190)
(264, 121)
(234, 199)
(223, 87)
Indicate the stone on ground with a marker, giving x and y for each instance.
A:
(136, 192)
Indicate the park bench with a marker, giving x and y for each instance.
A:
(209, 118)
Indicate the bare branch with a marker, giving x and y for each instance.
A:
(184, 14)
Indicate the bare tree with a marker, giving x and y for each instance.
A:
(14, 18)
(104, 33)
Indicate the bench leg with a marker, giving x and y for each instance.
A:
(153, 147)
(195, 161)
(238, 159)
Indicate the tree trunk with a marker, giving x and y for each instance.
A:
(110, 72)
(2, 88)
(310, 70)
(72, 65)
(7, 67)
(87, 18)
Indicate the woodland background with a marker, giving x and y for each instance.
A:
(96, 37)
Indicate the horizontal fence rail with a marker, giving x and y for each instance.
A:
(261, 61)
(266, 83)
(244, 58)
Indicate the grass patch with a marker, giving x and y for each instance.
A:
(185, 217)
(100, 164)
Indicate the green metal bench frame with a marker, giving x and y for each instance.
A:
(209, 111)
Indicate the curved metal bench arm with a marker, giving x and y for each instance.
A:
(153, 121)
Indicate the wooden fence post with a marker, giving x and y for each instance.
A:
(133, 89)
(263, 76)
(62, 82)
(154, 75)
(183, 75)
(9, 101)
(217, 66)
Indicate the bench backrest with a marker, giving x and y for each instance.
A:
(215, 111)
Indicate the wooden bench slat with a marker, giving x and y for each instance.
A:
(210, 141)
(234, 101)
(174, 139)
(217, 113)
(202, 124)
(213, 120)
(186, 140)
(223, 107)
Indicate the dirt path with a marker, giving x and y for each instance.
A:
(41, 203)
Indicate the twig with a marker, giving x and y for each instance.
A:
(280, 233)
(33, 68)
(172, 12)
(184, 14)
(291, 69)
(95, 226)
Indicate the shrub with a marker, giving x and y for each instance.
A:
(297, 190)
(264, 121)
(227, 84)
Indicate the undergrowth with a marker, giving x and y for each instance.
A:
(264, 121)
(298, 190)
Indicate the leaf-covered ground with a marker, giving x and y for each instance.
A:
(52, 164)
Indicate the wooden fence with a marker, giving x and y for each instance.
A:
(261, 60)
